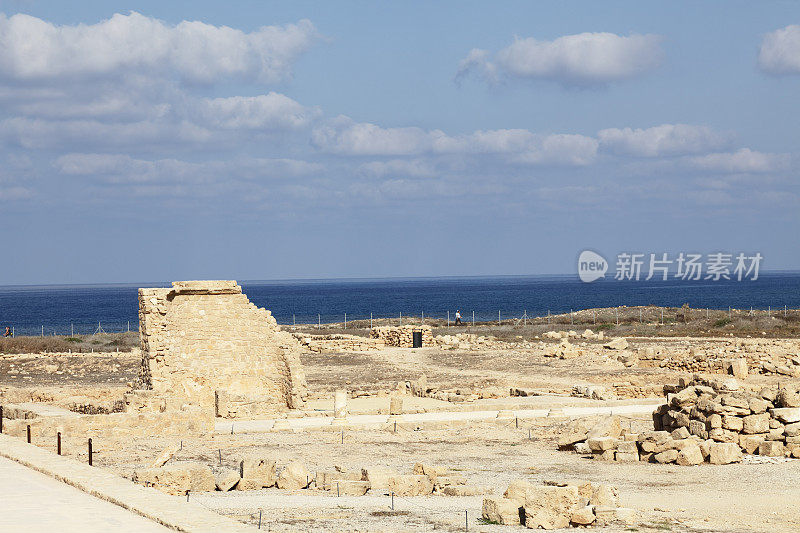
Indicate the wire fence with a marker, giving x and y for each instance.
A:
(654, 315)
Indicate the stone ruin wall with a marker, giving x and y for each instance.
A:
(205, 343)
(402, 336)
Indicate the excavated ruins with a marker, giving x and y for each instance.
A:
(472, 428)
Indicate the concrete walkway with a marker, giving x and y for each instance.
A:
(32, 501)
(378, 421)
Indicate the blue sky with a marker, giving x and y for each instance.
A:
(263, 140)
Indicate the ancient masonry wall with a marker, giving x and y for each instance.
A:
(203, 342)
(402, 336)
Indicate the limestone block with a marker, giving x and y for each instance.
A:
(608, 426)
(605, 496)
(227, 479)
(667, 456)
(294, 476)
(787, 415)
(516, 490)
(616, 344)
(771, 448)
(722, 453)
(583, 516)
(464, 490)
(429, 470)
(737, 368)
(258, 472)
(732, 423)
(690, 455)
(349, 487)
(177, 478)
(756, 424)
(601, 444)
(410, 485)
(550, 507)
(378, 478)
(396, 405)
(501, 510)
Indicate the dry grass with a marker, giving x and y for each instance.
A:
(82, 343)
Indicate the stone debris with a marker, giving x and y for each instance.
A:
(338, 343)
(294, 476)
(177, 478)
(227, 479)
(704, 420)
(257, 473)
(556, 505)
(168, 453)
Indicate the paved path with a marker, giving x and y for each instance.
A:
(32, 501)
(376, 421)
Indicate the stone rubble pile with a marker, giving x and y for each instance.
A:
(259, 473)
(587, 334)
(704, 420)
(402, 336)
(471, 341)
(557, 505)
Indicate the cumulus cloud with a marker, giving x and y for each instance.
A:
(742, 161)
(780, 51)
(344, 136)
(584, 59)
(33, 49)
(267, 111)
(660, 141)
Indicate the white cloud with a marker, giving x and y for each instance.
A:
(343, 136)
(124, 169)
(415, 168)
(33, 49)
(660, 141)
(582, 59)
(780, 51)
(744, 161)
(271, 111)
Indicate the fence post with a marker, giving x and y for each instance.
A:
(370, 320)
(58, 442)
(345, 321)
(90, 452)
(319, 321)
(1, 418)
(499, 323)
(473, 319)
(448, 318)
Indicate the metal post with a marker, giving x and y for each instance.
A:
(90, 452)
(662, 316)
(294, 322)
(345, 321)
(448, 318)
(370, 320)
(319, 321)
(525, 318)
(473, 319)
(393, 501)
(571, 318)
(784, 311)
(72, 330)
(259, 519)
(1, 418)
(42, 331)
(423, 317)
(466, 521)
(129, 326)
(499, 323)
(616, 311)
(29, 433)
(58, 443)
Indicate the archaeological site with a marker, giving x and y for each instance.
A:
(220, 419)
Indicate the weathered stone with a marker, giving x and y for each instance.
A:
(429, 470)
(601, 444)
(608, 426)
(549, 507)
(787, 415)
(758, 405)
(690, 455)
(396, 405)
(755, 424)
(722, 453)
(349, 487)
(249, 484)
(626, 457)
(258, 472)
(168, 453)
(516, 490)
(737, 368)
(732, 423)
(616, 344)
(378, 478)
(410, 485)
(792, 430)
(177, 478)
(464, 490)
(227, 479)
(788, 397)
(680, 433)
(771, 448)
(294, 476)
(714, 421)
(583, 516)
(698, 428)
(750, 443)
(605, 496)
(667, 456)
(501, 510)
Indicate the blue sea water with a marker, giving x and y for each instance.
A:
(63, 309)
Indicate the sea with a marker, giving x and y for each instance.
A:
(85, 309)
